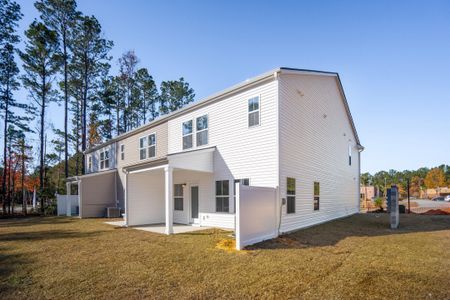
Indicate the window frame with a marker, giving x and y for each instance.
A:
(202, 130)
(143, 148)
(222, 197)
(349, 154)
(316, 196)
(104, 160)
(191, 134)
(254, 111)
(151, 146)
(146, 147)
(90, 163)
(291, 196)
(122, 151)
(178, 197)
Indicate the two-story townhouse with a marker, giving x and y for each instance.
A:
(287, 129)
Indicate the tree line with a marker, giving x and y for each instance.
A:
(66, 60)
(419, 180)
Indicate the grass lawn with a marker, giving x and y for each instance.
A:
(356, 257)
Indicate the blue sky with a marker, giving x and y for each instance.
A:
(393, 58)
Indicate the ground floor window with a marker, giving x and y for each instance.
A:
(316, 195)
(178, 197)
(290, 195)
(222, 196)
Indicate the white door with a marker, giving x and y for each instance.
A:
(194, 204)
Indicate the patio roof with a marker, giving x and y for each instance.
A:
(201, 160)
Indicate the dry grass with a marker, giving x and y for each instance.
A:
(356, 257)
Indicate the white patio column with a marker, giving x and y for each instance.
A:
(168, 172)
(126, 217)
(68, 204)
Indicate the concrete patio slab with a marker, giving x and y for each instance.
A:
(160, 228)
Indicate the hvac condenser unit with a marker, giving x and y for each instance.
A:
(113, 212)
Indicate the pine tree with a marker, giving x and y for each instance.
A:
(41, 61)
(61, 15)
(147, 94)
(128, 64)
(174, 95)
(9, 16)
(89, 64)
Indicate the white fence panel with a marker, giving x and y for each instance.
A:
(61, 205)
(67, 204)
(256, 214)
(220, 220)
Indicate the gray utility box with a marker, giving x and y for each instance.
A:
(113, 212)
(394, 212)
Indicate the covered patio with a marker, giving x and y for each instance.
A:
(173, 195)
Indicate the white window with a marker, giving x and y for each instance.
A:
(122, 152)
(90, 163)
(152, 145)
(349, 155)
(178, 197)
(143, 147)
(147, 146)
(222, 196)
(202, 130)
(316, 195)
(104, 159)
(187, 135)
(253, 112)
(290, 195)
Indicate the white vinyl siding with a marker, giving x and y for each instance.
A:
(241, 152)
(315, 132)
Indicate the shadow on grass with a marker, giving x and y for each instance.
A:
(9, 265)
(46, 235)
(35, 220)
(362, 225)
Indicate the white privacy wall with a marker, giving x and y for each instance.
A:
(256, 215)
(145, 200)
(241, 152)
(315, 133)
(63, 202)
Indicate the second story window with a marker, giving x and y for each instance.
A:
(253, 112)
(143, 147)
(202, 130)
(349, 155)
(187, 135)
(122, 152)
(147, 146)
(152, 145)
(104, 159)
(90, 163)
